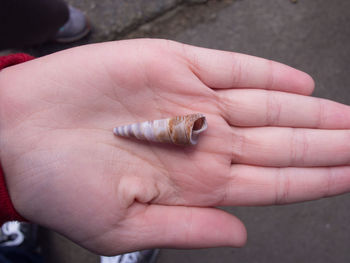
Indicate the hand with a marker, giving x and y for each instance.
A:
(267, 143)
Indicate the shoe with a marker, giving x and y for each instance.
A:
(18, 243)
(143, 256)
(10, 234)
(74, 29)
(14, 233)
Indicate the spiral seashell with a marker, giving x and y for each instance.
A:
(182, 130)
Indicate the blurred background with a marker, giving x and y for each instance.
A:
(311, 35)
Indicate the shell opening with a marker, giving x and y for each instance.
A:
(198, 126)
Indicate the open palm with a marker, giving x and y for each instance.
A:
(267, 143)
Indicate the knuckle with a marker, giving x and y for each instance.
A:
(320, 117)
(236, 71)
(270, 75)
(273, 110)
(298, 147)
(238, 145)
(282, 192)
(328, 182)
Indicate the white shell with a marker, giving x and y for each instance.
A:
(183, 130)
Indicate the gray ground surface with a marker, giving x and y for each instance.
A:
(312, 35)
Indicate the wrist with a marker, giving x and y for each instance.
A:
(7, 210)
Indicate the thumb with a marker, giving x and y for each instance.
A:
(184, 227)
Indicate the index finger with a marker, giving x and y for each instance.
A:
(222, 69)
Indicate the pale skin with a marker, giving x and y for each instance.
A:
(267, 143)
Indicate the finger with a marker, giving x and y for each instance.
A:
(272, 108)
(251, 185)
(281, 147)
(220, 69)
(184, 227)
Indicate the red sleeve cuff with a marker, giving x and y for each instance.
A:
(13, 59)
(7, 210)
